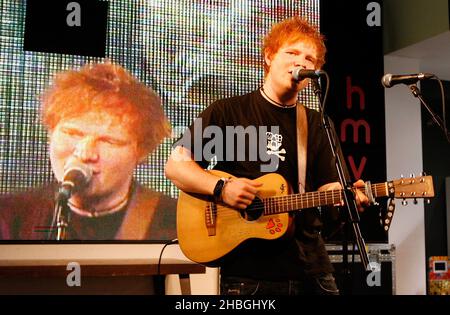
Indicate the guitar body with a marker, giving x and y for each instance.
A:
(205, 237)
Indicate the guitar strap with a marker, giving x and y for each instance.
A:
(139, 215)
(302, 144)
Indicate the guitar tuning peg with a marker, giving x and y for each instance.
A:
(401, 175)
(428, 201)
(412, 175)
(404, 202)
(423, 174)
(415, 201)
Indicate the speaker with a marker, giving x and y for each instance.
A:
(355, 280)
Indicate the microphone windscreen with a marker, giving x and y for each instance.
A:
(77, 172)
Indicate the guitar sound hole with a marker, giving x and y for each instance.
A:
(254, 211)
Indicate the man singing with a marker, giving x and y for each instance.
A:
(103, 119)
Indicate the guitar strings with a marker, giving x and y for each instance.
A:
(289, 200)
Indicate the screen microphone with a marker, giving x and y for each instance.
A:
(76, 176)
(300, 74)
(389, 80)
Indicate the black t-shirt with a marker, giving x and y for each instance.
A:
(275, 149)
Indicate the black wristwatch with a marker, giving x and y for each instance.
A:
(217, 194)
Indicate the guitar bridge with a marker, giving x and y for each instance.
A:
(210, 218)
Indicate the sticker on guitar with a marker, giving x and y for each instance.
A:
(274, 227)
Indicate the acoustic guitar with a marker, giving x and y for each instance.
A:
(207, 230)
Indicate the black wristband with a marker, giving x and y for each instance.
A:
(217, 194)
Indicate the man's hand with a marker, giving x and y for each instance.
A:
(361, 198)
(240, 192)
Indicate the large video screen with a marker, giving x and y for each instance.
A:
(190, 53)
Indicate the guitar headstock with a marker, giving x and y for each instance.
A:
(407, 188)
(414, 187)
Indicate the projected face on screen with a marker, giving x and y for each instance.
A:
(100, 141)
(101, 122)
(190, 53)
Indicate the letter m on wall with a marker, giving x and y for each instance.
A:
(355, 126)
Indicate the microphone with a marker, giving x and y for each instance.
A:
(300, 74)
(76, 176)
(389, 80)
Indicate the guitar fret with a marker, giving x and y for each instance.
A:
(289, 203)
(286, 205)
(315, 199)
(309, 200)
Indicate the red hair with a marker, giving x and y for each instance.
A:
(107, 87)
(289, 31)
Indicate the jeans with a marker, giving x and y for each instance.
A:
(324, 284)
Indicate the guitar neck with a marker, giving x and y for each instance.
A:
(282, 204)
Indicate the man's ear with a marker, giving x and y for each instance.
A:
(268, 59)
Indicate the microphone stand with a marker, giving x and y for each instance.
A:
(62, 213)
(418, 94)
(348, 195)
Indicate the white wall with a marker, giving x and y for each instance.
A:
(404, 156)
(200, 283)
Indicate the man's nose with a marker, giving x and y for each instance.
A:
(86, 149)
(300, 61)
